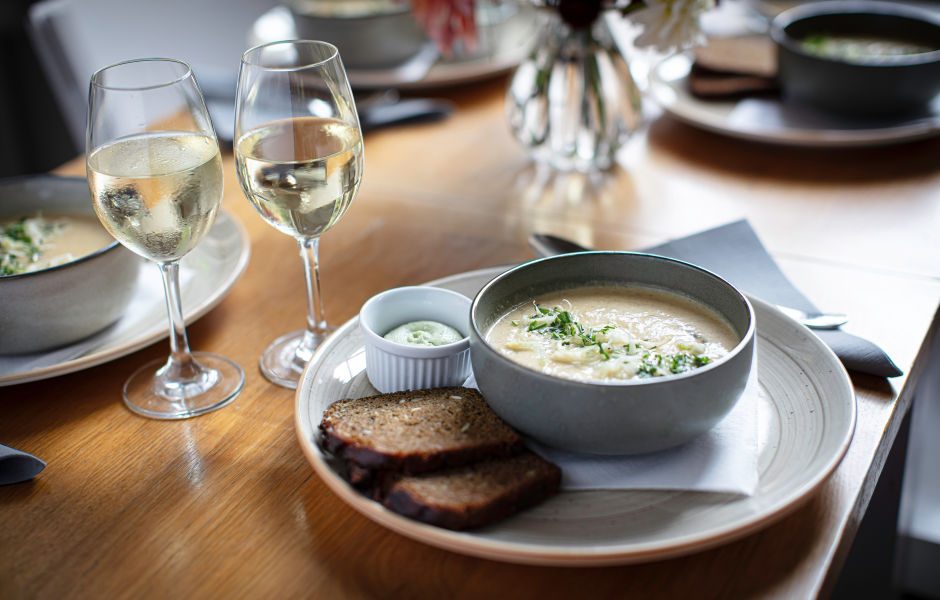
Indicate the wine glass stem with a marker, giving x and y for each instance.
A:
(180, 365)
(310, 252)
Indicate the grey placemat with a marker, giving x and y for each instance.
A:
(17, 466)
(734, 252)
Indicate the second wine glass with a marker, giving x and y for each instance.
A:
(299, 154)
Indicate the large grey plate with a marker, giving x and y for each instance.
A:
(806, 415)
(206, 275)
(778, 122)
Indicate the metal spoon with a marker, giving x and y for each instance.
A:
(815, 321)
(550, 245)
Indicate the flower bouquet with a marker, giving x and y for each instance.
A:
(573, 102)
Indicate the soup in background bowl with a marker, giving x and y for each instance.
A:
(39, 241)
(82, 290)
(586, 403)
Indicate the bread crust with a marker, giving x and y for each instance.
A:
(709, 84)
(414, 464)
(401, 499)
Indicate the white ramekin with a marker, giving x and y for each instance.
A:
(394, 367)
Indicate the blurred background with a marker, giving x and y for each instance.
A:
(34, 135)
(50, 48)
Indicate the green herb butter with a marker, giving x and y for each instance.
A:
(424, 333)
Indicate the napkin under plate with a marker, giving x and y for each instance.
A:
(723, 460)
(734, 252)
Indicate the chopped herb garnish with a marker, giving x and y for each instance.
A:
(22, 243)
(561, 326)
(646, 369)
(17, 231)
(679, 363)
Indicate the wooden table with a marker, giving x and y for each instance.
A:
(226, 504)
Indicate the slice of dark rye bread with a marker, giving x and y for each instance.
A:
(417, 431)
(473, 495)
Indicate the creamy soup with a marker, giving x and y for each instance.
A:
(851, 48)
(612, 333)
(33, 243)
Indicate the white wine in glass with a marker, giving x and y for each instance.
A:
(155, 176)
(301, 174)
(157, 193)
(299, 155)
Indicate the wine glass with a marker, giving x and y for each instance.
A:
(155, 176)
(298, 151)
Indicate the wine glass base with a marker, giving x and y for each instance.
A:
(223, 381)
(280, 362)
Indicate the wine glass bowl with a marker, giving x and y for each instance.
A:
(299, 156)
(155, 175)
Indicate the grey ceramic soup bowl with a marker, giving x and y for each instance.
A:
(631, 417)
(62, 304)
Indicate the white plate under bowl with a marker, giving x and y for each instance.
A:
(509, 41)
(806, 415)
(206, 275)
(771, 119)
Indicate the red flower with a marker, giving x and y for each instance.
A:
(447, 21)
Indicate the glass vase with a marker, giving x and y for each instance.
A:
(573, 102)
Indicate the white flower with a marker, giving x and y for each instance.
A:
(670, 24)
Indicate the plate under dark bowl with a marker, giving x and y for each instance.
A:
(884, 85)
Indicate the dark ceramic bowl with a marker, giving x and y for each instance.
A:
(873, 86)
(631, 417)
(62, 304)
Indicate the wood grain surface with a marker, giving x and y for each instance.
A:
(225, 504)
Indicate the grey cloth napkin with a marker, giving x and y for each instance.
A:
(734, 252)
(17, 466)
